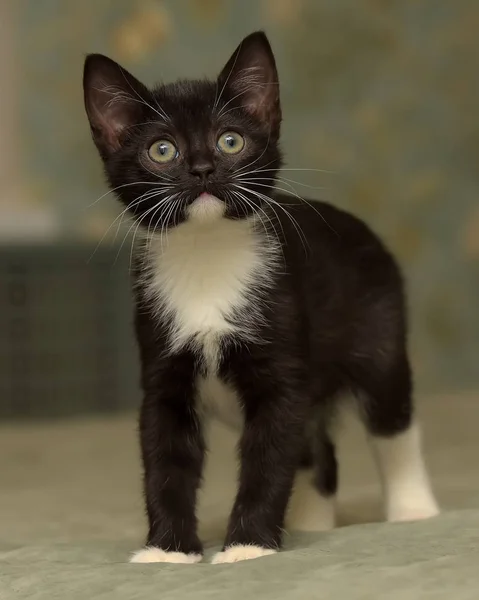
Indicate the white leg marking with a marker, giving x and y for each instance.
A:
(238, 553)
(308, 510)
(407, 490)
(156, 555)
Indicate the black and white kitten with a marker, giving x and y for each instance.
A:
(256, 307)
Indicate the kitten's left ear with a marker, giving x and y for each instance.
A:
(114, 100)
(251, 78)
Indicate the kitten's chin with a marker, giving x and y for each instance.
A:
(206, 208)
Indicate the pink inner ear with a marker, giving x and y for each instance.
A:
(111, 100)
(258, 96)
(115, 118)
(112, 110)
(249, 77)
(252, 79)
(111, 134)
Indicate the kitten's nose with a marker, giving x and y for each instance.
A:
(202, 168)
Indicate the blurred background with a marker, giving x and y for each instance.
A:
(381, 95)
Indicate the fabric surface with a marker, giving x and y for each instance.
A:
(71, 512)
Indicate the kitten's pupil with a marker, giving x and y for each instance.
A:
(230, 140)
(162, 149)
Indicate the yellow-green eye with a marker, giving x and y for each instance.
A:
(231, 142)
(163, 151)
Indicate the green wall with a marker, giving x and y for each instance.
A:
(381, 95)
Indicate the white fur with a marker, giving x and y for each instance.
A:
(199, 275)
(206, 208)
(238, 553)
(406, 485)
(201, 272)
(156, 555)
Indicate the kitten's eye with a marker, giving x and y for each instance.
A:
(163, 151)
(231, 142)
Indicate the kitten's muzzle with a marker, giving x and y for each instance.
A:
(202, 169)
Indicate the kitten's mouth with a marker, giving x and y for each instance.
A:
(206, 207)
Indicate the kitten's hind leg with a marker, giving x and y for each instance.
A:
(325, 465)
(306, 459)
(387, 412)
(313, 503)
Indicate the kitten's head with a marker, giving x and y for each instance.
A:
(190, 148)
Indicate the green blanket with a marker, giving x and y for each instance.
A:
(71, 512)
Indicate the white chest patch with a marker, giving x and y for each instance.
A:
(202, 274)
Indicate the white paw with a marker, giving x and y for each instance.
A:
(238, 553)
(156, 555)
(413, 511)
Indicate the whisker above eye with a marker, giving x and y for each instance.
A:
(119, 95)
(133, 125)
(159, 112)
(222, 110)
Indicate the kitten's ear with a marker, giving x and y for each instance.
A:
(251, 76)
(113, 101)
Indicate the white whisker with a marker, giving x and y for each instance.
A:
(242, 197)
(138, 223)
(293, 192)
(276, 170)
(118, 187)
(255, 80)
(165, 223)
(119, 95)
(159, 206)
(271, 201)
(165, 177)
(136, 202)
(228, 77)
(239, 171)
(284, 179)
(160, 112)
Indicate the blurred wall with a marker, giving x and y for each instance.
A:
(381, 94)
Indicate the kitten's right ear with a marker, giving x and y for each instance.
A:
(252, 78)
(114, 100)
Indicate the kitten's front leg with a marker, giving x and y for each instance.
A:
(269, 450)
(173, 452)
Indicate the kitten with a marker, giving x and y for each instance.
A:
(250, 305)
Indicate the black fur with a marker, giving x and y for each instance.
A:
(333, 319)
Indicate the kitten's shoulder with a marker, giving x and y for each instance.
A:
(318, 215)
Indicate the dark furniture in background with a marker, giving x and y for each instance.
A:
(66, 343)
